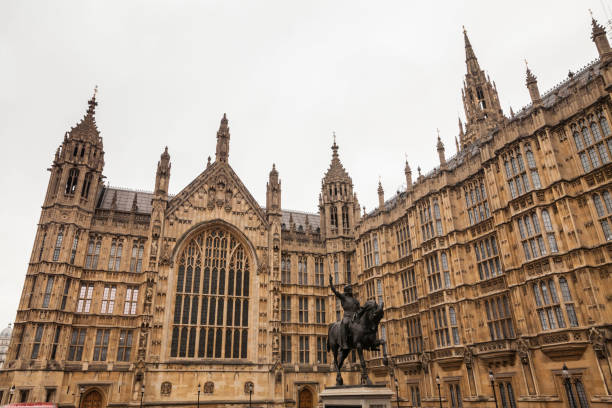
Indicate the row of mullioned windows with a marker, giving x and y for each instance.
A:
(304, 356)
(76, 346)
(409, 285)
(431, 226)
(319, 273)
(115, 253)
(303, 312)
(603, 208)
(476, 202)
(402, 234)
(537, 241)
(371, 253)
(517, 174)
(437, 267)
(108, 299)
(593, 141)
(550, 306)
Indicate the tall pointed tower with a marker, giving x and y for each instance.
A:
(337, 210)
(480, 100)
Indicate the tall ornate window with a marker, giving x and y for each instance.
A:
(593, 142)
(114, 258)
(438, 217)
(516, 172)
(455, 396)
(506, 394)
(453, 322)
(487, 258)
(604, 213)
(286, 269)
(345, 218)
(333, 217)
(101, 345)
(302, 271)
(303, 309)
(499, 318)
(136, 259)
(320, 309)
(93, 252)
(402, 234)
(58, 245)
(414, 334)
(86, 185)
(108, 299)
(77, 342)
(304, 349)
(550, 306)
(285, 308)
(75, 244)
(212, 297)
(441, 327)
(71, 182)
(319, 273)
(37, 339)
(85, 296)
(124, 347)
(476, 202)
(48, 290)
(409, 287)
(285, 348)
(131, 300)
(532, 235)
(427, 229)
(321, 349)
(433, 272)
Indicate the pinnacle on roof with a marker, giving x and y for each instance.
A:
(470, 57)
(165, 154)
(407, 167)
(530, 77)
(273, 172)
(86, 128)
(439, 145)
(380, 187)
(336, 171)
(598, 29)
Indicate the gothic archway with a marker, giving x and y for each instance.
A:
(213, 271)
(93, 399)
(305, 398)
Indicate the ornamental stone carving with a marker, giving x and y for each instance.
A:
(209, 387)
(522, 349)
(166, 388)
(598, 341)
(468, 357)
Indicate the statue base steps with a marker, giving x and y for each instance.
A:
(356, 396)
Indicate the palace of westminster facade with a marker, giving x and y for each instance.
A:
(493, 268)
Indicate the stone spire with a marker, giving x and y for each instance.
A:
(336, 171)
(480, 99)
(87, 129)
(223, 138)
(470, 58)
(162, 177)
(598, 35)
(440, 148)
(135, 203)
(408, 173)
(532, 85)
(381, 196)
(273, 191)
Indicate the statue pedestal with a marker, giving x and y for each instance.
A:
(356, 396)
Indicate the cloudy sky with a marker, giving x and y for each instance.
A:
(384, 75)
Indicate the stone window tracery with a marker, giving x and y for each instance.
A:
(592, 141)
(487, 258)
(499, 318)
(402, 234)
(550, 306)
(71, 182)
(516, 172)
(58, 245)
(604, 212)
(409, 286)
(212, 298)
(532, 236)
(476, 202)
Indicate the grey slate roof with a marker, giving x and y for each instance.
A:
(299, 218)
(125, 198)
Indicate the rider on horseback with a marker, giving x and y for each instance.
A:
(351, 308)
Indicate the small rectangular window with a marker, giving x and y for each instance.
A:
(101, 346)
(85, 297)
(125, 345)
(131, 299)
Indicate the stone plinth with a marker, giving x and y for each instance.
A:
(356, 396)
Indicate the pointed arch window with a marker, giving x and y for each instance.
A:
(345, 217)
(86, 185)
(604, 213)
(592, 141)
(136, 259)
(212, 298)
(58, 245)
(71, 182)
(93, 252)
(333, 217)
(114, 258)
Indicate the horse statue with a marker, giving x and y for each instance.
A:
(361, 336)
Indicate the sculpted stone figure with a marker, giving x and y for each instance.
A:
(357, 330)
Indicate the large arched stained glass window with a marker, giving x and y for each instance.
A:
(211, 308)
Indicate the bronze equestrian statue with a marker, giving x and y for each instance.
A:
(357, 330)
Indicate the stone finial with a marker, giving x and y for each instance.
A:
(381, 196)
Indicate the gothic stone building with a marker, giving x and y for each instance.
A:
(494, 270)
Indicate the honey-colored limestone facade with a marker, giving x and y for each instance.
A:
(494, 271)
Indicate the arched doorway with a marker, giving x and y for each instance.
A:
(305, 398)
(92, 399)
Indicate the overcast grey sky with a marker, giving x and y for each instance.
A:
(382, 74)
